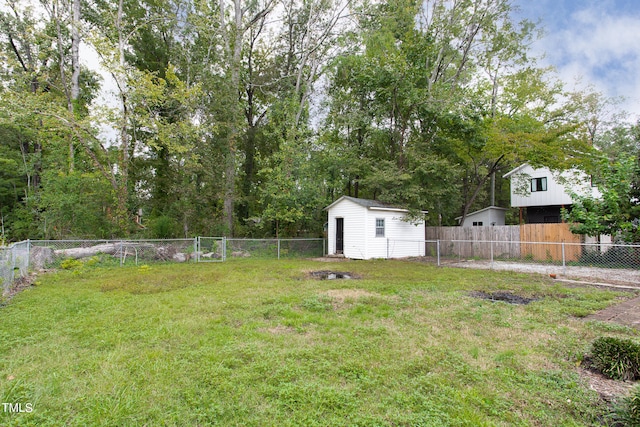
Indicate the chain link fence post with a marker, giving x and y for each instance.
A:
(491, 252)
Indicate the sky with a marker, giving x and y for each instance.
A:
(591, 42)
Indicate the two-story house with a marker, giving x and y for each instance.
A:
(540, 193)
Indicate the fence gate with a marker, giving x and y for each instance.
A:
(211, 249)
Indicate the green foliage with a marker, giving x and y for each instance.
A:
(163, 227)
(630, 414)
(616, 358)
(617, 211)
(71, 264)
(215, 131)
(76, 205)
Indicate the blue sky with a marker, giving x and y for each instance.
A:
(591, 42)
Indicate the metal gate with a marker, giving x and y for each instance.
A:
(211, 249)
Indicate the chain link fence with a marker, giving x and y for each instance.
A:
(211, 249)
(14, 264)
(18, 258)
(600, 255)
(55, 253)
(275, 248)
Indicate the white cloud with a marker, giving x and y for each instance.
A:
(600, 46)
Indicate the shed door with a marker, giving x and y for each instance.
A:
(339, 235)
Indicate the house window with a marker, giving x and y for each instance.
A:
(477, 223)
(379, 227)
(538, 184)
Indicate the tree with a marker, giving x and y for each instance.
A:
(448, 84)
(617, 211)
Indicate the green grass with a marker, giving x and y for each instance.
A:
(259, 343)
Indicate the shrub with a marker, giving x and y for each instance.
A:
(616, 358)
(70, 264)
(163, 227)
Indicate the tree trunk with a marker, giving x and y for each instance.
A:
(75, 71)
(468, 204)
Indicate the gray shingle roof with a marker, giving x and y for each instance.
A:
(367, 203)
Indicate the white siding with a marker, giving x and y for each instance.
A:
(555, 193)
(354, 223)
(486, 216)
(402, 239)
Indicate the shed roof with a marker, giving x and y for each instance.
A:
(495, 208)
(367, 203)
(511, 172)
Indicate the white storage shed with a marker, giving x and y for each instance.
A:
(365, 229)
(492, 215)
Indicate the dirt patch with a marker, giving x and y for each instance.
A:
(503, 296)
(608, 389)
(17, 286)
(332, 275)
(626, 313)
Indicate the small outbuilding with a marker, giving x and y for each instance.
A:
(365, 229)
(492, 215)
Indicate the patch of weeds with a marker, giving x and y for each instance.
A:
(71, 264)
(149, 286)
(631, 409)
(92, 262)
(610, 327)
(616, 358)
(318, 303)
(353, 371)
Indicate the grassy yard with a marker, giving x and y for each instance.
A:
(261, 343)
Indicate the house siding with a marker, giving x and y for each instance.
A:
(555, 195)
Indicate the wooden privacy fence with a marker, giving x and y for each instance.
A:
(508, 241)
(550, 233)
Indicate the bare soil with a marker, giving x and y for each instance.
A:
(503, 296)
(18, 286)
(332, 275)
(609, 390)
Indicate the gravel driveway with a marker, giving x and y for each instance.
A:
(627, 277)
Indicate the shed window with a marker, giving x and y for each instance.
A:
(379, 227)
(477, 223)
(538, 184)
